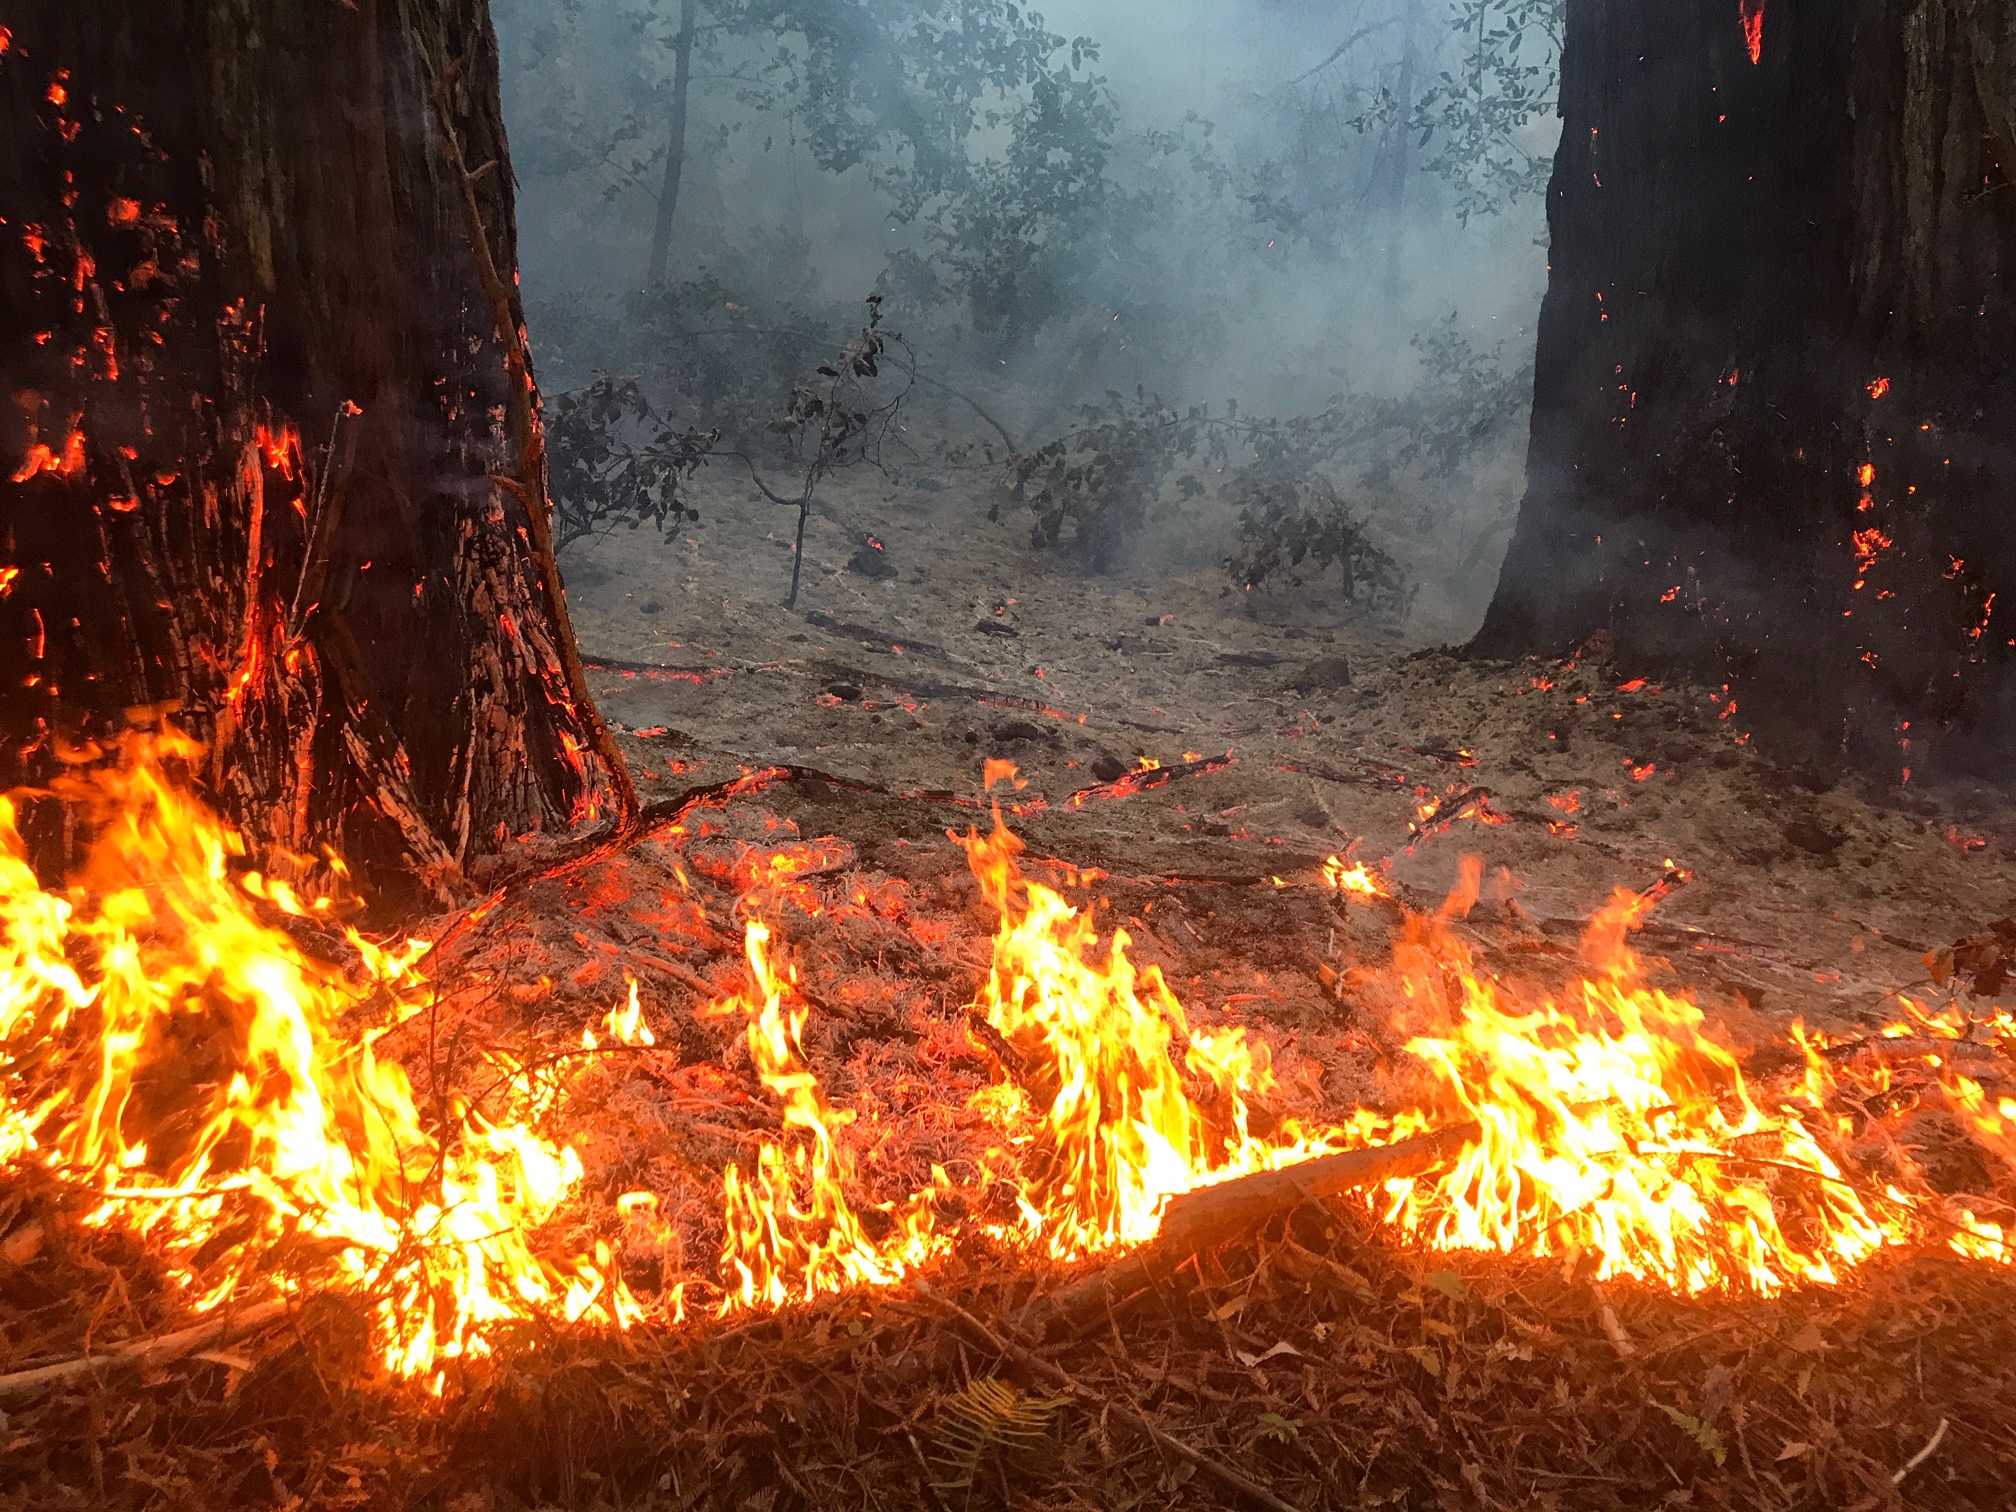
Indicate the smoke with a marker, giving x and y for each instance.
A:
(1301, 208)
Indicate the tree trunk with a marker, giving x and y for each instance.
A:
(675, 146)
(1403, 156)
(1774, 420)
(273, 458)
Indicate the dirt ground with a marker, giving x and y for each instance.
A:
(1812, 897)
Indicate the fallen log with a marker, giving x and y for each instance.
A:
(140, 1352)
(1215, 1215)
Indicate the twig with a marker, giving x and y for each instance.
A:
(1612, 1328)
(154, 1351)
(691, 980)
(990, 1039)
(1147, 779)
(917, 375)
(924, 1465)
(1057, 1376)
(1340, 49)
(1931, 1445)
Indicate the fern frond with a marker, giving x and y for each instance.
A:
(990, 1421)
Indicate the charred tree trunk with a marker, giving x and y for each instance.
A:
(1774, 422)
(271, 454)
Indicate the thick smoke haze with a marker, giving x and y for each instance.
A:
(1271, 203)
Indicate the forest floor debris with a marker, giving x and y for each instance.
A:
(1318, 1357)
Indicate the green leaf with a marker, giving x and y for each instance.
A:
(1278, 1428)
(1705, 1435)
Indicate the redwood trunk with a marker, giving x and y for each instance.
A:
(270, 454)
(1769, 281)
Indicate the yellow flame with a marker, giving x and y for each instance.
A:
(170, 1047)
(1353, 878)
(791, 1231)
(166, 1043)
(1140, 1105)
(1613, 1127)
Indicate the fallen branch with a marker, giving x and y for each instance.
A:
(1218, 1470)
(1147, 779)
(142, 1352)
(1012, 1061)
(870, 636)
(840, 671)
(1214, 1215)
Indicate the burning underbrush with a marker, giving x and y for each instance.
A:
(449, 1144)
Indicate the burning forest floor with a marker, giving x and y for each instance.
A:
(853, 1130)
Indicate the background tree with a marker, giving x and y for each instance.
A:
(1774, 408)
(272, 456)
(898, 88)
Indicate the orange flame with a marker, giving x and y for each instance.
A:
(1123, 1130)
(1751, 14)
(41, 458)
(792, 1232)
(1606, 1124)
(157, 955)
(1611, 1126)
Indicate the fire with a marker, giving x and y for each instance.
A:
(1612, 1128)
(279, 447)
(1352, 878)
(167, 1047)
(41, 458)
(1751, 14)
(1115, 1061)
(624, 1024)
(174, 1051)
(792, 1232)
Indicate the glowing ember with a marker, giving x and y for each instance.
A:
(1751, 14)
(42, 458)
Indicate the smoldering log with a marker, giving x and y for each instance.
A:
(1214, 1215)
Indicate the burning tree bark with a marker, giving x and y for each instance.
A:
(1773, 404)
(272, 456)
